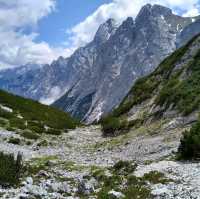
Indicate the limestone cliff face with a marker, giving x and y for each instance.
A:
(111, 66)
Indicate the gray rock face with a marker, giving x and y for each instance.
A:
(97, 77)
(189, 32)
(36, 81)
(132, 50)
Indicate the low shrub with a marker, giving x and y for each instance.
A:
(155, 177)
(10, 169)
(190, 143)
(53, 132)
(10, 128)
(17, 123)
(13, 140)
(139, 192)
(30, 135)
(3, 122)
(112, 126)
(43, 143)
(124, 167)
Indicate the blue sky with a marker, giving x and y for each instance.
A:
(39, 31)
(68, 13)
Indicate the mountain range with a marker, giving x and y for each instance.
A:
(97, 77)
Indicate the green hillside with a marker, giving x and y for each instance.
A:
(17, 113)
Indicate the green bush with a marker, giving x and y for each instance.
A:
(17, 123)
(30, 135)
(190, 143)
(155, 177)
(112, 126)
(3, 122)
(36, 128)
(5, 114)
(53, 132)
(13, 140)
(137, 192)
(10, 169)
(124, 167)
(10, 128)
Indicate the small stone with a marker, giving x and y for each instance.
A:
(61, 187)
(43, 174)
(29, 180)
(116, 194)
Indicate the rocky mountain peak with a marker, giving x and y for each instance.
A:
(149, 10)
(128, 23)
(161, 10)
(105, 31)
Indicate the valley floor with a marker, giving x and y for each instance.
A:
(64, 166)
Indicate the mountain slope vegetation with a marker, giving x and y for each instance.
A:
(17, 113)
(171, 91)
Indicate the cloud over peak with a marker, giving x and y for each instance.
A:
(120, 10)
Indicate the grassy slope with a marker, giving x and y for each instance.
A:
(29, 114)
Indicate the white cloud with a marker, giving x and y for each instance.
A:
(17, 48)
(83, 32)
(18, 13)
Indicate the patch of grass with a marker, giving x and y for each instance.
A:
(124, 167)
(137, 192)
(17, 123)
(10, 169)
(72, 166)
(3, 122)
(54, 132)
(99, 175)
(37, 164)
(155, 177)
(122, 180)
